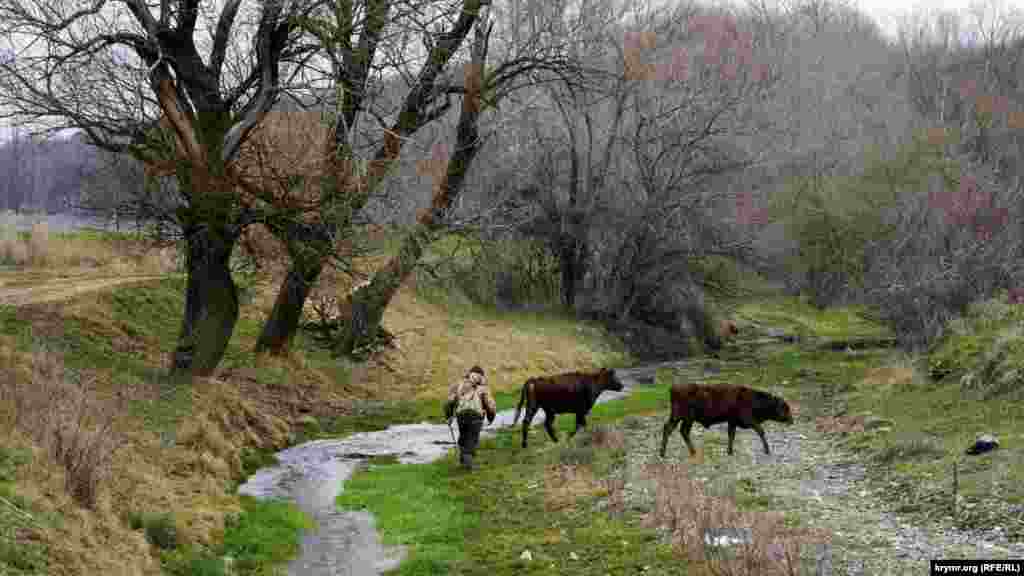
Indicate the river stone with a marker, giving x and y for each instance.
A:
(872, 422)
(984, 443)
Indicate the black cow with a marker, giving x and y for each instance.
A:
(572, 392)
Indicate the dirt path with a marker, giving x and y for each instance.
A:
(17, 293)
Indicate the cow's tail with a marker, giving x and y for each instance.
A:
(522, 400)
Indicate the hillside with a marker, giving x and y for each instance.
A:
(164, 457)
(107, 466)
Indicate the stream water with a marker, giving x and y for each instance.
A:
(346, 543)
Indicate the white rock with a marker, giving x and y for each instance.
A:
(573, 556)
(526, 556)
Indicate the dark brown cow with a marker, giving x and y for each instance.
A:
(738, 405)
(572, 392)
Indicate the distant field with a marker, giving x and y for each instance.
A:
(60, 222)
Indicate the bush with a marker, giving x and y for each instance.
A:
(160, 530)
(57, 412)
(508, 272)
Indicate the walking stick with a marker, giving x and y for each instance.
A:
(452, 431)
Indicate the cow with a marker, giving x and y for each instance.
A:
(727, 329)
(571, 392)
(738, 405)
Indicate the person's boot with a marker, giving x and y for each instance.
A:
(467, 461)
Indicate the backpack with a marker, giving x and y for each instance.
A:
(468, 398)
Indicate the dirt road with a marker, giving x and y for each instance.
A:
(15, 291)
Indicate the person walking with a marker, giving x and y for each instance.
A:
(469, 401)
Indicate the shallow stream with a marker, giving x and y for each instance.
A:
(346, 543)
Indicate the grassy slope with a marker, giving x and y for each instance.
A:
(182, 448)
(480, 523)
(118, 342)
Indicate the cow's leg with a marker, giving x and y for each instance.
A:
(684, 430)
(760, 432)
(549, 425)
(732, 435)
(666, 431)
(527, 419)
(581, 421)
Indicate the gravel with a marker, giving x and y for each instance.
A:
(810, 477)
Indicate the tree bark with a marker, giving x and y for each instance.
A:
(211, 301)
(413, 116)
(364, 310)
(571, 267)
(280, 328)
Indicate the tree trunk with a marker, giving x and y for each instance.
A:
(280, 328)
(363, 311)
(365, 308)
(211, 302)
(571, 268)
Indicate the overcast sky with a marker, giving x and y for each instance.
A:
(888, 13)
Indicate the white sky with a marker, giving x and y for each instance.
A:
(890, 14)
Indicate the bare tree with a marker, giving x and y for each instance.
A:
(383, 32)
(622, 173)
(211, 70)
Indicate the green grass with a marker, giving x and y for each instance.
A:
(933, 425)
(15, 513)
(798, 316)
(372, 416)
(933, 422)
(266, 534)
(88, 233)
(479, 523)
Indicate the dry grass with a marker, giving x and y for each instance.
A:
(435, 349)
(242, 407)
(70, 430)
(191, 478)
(43, 250)
(845, 424)
(683, 507)
(65, 418)
(566, 483)
(432, 347)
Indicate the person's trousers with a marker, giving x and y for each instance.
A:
(470, 424)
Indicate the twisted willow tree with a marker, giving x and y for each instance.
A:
(212, 70)
(360, 39)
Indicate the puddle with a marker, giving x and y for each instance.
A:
(345, 543)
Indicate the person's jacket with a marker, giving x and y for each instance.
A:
(471, 394)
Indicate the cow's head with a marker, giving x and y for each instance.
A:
(609, 380)
(785, 415)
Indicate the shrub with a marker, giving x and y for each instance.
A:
(688, 513)
(160, 530)
(56, 410)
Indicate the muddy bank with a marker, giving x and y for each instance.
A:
(313, 474)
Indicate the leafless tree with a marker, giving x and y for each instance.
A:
(961, 238)
(210, 70)
(621, 169)
(359, 69)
